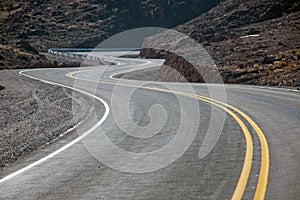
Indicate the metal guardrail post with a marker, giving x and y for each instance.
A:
(68, 52)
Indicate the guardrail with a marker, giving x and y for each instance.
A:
(71, 52)
(93, 49)
(63, 52)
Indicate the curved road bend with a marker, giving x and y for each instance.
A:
(75, 174)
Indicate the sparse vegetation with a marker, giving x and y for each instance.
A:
(283, 72)
(271, 57)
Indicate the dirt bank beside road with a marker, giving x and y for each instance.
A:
(33, 114)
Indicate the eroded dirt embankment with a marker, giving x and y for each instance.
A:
(33, 114)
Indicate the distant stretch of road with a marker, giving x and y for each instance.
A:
(257, 154)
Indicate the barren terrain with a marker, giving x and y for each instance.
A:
(33, 114)
(251, 42)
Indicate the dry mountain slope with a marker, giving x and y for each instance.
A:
(34, 26)
(270, 57)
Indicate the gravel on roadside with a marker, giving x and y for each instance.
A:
(33, 114)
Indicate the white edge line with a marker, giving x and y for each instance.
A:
(249, 86)
(14, 174)
(112, 76)
(266, 88)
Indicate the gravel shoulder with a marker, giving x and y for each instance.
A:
(34, 114)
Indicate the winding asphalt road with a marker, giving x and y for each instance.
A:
(240, 164)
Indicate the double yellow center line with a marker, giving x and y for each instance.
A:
(262, 183)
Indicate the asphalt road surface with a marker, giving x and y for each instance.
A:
(163, 144)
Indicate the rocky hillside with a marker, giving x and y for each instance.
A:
(251, 42)
(30, 26)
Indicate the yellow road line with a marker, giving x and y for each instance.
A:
(262, 183)
(244, 176)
